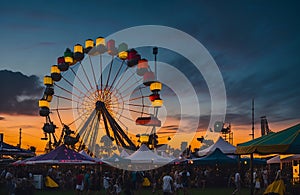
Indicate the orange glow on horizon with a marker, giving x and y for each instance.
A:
(32, 131)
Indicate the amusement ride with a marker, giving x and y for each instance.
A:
(101, 90)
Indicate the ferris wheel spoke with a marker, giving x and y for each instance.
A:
(76, 88)
(65, 98)
(136, 98)
(120, 122)
(122, 76)
(106, 127)
(109, 72)
(138, 105)
(79, 117)
(125, 117)
(116, 107)
(66, 90)
(71, 84)
(83, 138)
(139, 97)
(143, 101)
(132, 85)
(119, 140)
(116, 76)
(93, 72)
(89, 130)
(127, 80)
(85, 74)
(119, 134)
(85, 100)
(83, 85)
(87, 90)
(86, 122)
(101, 79)
(139, 112)
(94, 132)
(65, 109)
(59, 117)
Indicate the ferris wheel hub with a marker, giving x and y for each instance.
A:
(99, 105)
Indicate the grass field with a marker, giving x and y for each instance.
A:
(208, 191)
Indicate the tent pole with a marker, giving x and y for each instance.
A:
(239, 162)
(251, 175)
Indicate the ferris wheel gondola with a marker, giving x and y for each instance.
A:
(100, 90)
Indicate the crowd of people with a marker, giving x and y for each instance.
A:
(261, 179)
(170, 179)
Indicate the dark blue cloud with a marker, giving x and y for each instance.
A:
(254, 43)
(19, 93)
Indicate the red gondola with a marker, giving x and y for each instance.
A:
(148, 121)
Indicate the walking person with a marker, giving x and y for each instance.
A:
(265, 178)
(106, 183)
(92, 187)
(128, 187)
(185, 180)
(79, 183)
(237, 182)
(167, 184)
(10, 182)
(86, 180)
(154, 180)
(257, 184)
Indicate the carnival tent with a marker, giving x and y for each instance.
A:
(274, 160)
(61, 155)
(216, 157)
(283, 158)
(145, 155)
(97, 160)
(24, 161)
(224, 146)
(82, 152)
(116, 159)
(124, 153)
(283, 142)
(291, 158)
(7, 149)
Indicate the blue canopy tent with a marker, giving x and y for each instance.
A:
(7, 149)
(216, 157)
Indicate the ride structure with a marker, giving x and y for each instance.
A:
(101, 90)
(264, 126)
(227, 133)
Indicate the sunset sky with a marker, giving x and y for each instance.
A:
(255, 44)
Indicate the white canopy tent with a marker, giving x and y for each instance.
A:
(274, 160)
(291, 158)
(145, 156)
(224, 146)
(283, 159)
(124, 153)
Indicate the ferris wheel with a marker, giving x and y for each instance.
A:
(101, 90)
